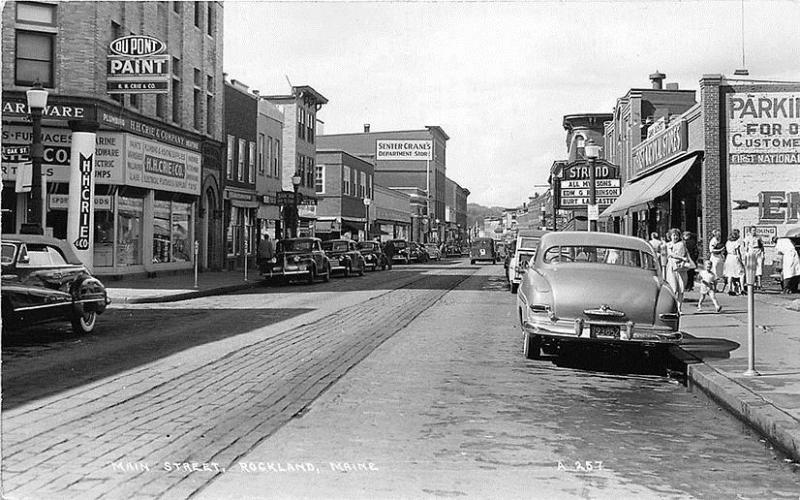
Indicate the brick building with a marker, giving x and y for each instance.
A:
(144, 222)
(728, 162)
(241, 203)
(269, 175)
(405, 172)
(455, 219)
(343, 182)
(299, 109)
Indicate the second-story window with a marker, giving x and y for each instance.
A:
(240, 160)
(198, 14)
(319, 179)
(261, 144)
(310, 127)
(309, 171)
(210, 19)
(346, 181)
(251, 162)
(276, 159)
(198, 100)
(176, 90)
(229, 163)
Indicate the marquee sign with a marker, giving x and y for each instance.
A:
(137, 66)
(574, 185)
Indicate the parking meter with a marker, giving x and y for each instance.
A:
(750, 264)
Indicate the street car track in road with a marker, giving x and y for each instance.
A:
(217, 410)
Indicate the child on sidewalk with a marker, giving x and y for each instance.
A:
(707, 286)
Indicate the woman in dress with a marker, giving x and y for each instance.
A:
(677, 258)
(716, 248)
(754, 245)
(734, 264)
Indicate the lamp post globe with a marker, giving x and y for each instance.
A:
(37, 101)
(592, 152)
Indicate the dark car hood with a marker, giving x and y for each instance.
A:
(577, 287)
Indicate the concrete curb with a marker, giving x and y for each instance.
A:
(222, 290)
(759, 413)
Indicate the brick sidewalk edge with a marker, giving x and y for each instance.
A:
(222, 290)
(778, 426)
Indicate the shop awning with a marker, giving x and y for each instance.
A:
(650, 187)
(244, 203)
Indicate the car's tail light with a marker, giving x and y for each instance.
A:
(578, 325)
(296, 258)
(540, 308)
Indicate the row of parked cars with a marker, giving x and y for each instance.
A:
(311, 259)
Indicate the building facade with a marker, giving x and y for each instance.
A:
(241, 202)
(343, 183)
(390, 214)
(396, 169)
(157, 156)
(299, 109)
(269, 166)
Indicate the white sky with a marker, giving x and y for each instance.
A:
(497, 77)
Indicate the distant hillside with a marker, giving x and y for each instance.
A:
(478, 212)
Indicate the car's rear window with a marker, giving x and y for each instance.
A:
(294, 245)
(335, 246)
(366, 245)
(8, 253)
(528, 243)
(400, 244)
(626, 257)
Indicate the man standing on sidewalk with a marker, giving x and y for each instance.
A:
(790, 265)
(388, 250)
(266, 254)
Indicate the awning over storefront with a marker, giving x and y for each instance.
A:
(650, 187)
(244, 203)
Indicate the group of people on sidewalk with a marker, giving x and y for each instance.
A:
(679, 256)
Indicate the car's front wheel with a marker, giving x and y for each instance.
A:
(514, 287)
(532, 348)
(327, 276)
(312, 276)
(84, 323)
(362, 269)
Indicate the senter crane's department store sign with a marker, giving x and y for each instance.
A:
(137, 66)
(404, 150)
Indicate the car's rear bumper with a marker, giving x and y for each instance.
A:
(581, 331)
(284, 273)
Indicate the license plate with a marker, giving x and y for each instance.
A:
(291, 268)
(608, 331)
(334, 262)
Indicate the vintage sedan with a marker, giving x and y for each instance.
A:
(524, 250)
(43, 280)
(373, 255)
(596, 288)
(301, 258)
(345, 257)
(433, 251)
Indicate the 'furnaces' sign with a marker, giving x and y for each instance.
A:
(85, 205)
(137, 66)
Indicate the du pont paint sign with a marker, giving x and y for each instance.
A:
(136, 65)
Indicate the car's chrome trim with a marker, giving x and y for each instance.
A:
(580, 329)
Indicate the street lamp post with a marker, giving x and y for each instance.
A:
(367, 201)
(592, 151)
(295, 213)
(37, 100)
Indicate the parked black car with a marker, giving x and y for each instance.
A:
(299, 258)
(417, 252)
(344, 257)
(43, 280)
(401, 251)
(373, 255)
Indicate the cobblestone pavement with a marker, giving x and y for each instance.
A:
(117, 438)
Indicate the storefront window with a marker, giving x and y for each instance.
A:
(232, 236)
(162, 232)
(129, 231)
(181, 232)
(103, 238)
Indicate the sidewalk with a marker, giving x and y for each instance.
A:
(769, 402)
(174, 287)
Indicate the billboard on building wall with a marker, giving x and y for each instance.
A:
(155, 165)
(763, 153)
(403, 150)
(136, 65)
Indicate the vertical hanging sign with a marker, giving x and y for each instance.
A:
(80, 211)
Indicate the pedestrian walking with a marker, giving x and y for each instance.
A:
(790, 265)
(657, 243)
(754, 245)
(734, 264)
(266, 254)
(708, 286)
(716, 250)
(678, 262)
(690, 240)
(389, 251)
